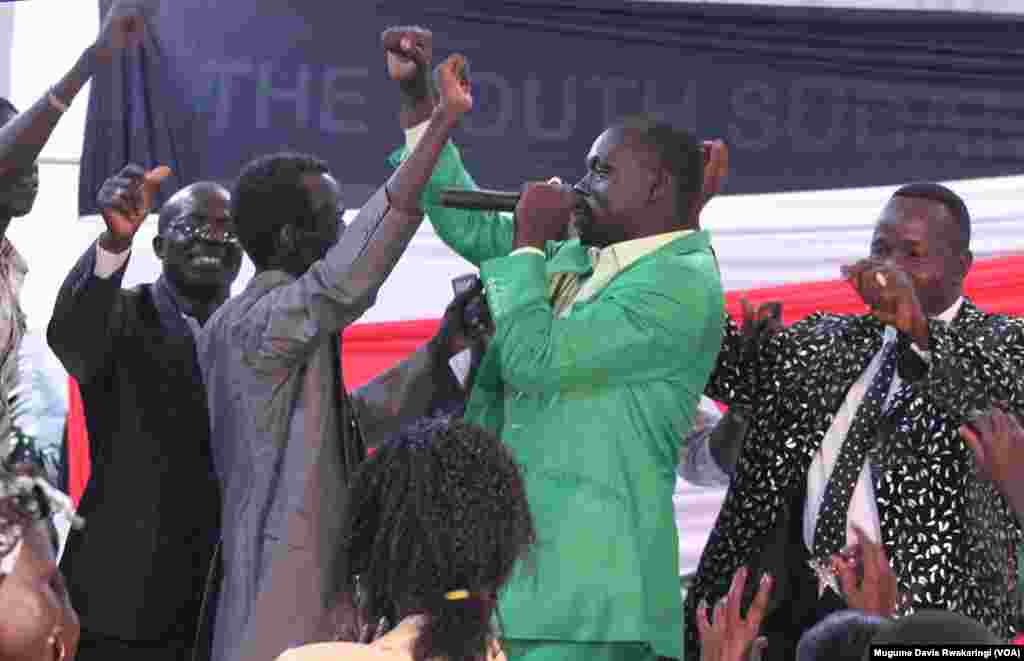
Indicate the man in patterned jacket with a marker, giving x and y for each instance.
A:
(879, 397)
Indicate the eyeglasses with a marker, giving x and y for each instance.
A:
(190, 228)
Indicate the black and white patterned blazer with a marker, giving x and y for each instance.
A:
(951, 538)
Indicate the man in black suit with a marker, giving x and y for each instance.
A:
(854, 423)
(137, 572)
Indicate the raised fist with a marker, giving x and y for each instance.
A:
(452, 78)
(543, 213)
(716, 169)
(127, 198)
(409, 52)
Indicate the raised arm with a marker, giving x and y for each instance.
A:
(87, 318)
(24, 137)
(745, 355)
(338, 289)
(422, 383)
(475, 235)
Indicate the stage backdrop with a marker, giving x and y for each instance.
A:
(806, 98)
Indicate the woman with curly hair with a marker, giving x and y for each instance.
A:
(437, 520)
(37, 622)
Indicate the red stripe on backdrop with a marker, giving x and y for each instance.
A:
(995, 285)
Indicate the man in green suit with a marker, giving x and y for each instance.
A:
(602, 347)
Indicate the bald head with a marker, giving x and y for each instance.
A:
(199, 198)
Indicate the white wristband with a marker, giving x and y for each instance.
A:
(56, 103)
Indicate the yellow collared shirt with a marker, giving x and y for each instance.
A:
(611, 260)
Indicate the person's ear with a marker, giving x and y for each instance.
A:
(286, 240)
(966, 261)
(159, 247)
(661, 183)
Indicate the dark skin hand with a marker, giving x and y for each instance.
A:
(125, 201)
(917, 266)
(866, 577)
(456, 99)
(730, 635)
(455, 333)
(890, 293)
(997, 439)
(716, 169)
(409, 55)
(542, 214)
(22, 139)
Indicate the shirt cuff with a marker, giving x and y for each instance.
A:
(413, 135)
(108, 263)
(699, 466)
(460, 364)
(526, 250)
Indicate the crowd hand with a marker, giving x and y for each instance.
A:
(458, 332)
(409, 53)
(866, 577)
(730, 636)
(543, 213)
(761, 323)
(127, 198)
(890, 294)
(997, 440)
(716, 169)
(123, 27)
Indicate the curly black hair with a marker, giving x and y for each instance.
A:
(269, 195)
(441, 507)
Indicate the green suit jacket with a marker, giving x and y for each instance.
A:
(593, 405)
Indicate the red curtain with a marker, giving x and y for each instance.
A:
(995, 285)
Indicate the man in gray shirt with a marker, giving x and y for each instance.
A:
(285, 435)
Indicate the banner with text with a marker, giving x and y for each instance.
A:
(806, 98)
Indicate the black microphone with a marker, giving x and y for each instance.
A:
(483, 200)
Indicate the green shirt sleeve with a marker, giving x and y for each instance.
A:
(476, 236)
(632, 333)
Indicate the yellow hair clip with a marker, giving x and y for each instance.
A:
(456, 595)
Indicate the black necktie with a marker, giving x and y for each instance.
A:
(830, 530)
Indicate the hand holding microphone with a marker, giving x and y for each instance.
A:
(543, 213)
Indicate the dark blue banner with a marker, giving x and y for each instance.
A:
(806, 98)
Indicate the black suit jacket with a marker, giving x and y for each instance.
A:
(152, 505)
(951, 538)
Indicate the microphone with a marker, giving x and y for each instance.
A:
(482, 200)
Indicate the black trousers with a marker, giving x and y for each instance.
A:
(97, 647)
(800, 606)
